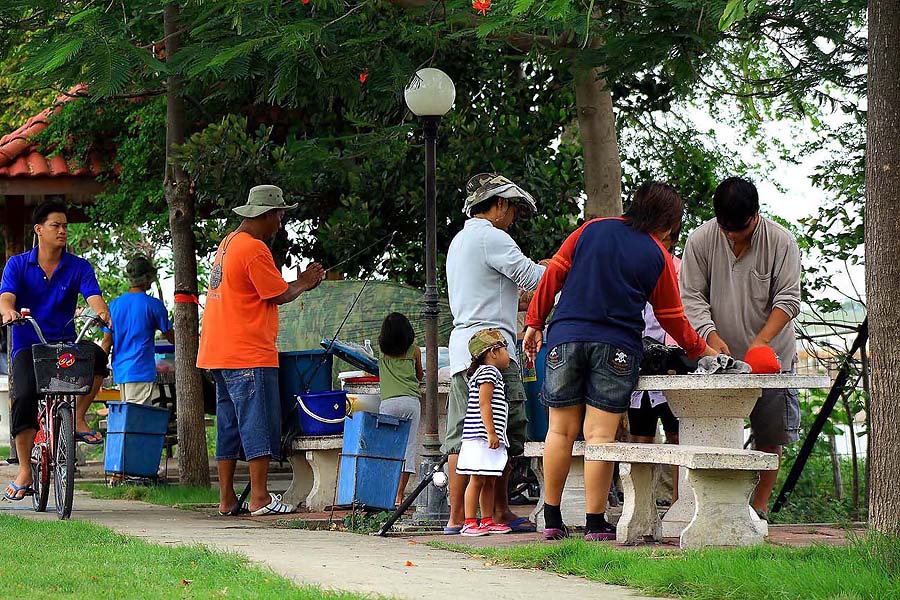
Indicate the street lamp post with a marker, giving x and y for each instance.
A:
(430, 96)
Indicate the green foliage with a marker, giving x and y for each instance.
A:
(766, 572)
(74, 559)
(165, 495)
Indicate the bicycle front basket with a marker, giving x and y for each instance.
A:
(64, 368)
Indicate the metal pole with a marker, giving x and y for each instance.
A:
(433, 504)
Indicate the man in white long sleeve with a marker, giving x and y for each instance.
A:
(740, 285)
(485, 269)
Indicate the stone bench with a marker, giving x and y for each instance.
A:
(572, 506)
(314, 463)
(722, 478)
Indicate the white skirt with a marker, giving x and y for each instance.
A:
(477, 458)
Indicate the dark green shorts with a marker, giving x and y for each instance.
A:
(456, 411)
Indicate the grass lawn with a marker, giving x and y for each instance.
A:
(868, 567)
(167, 495)
(72, 559)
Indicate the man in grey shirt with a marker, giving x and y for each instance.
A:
(485, 269)
(740, 285)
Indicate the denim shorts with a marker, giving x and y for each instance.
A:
(592, 373)
(248, 413)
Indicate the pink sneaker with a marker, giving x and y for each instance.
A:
(474, 530)
(497, 528)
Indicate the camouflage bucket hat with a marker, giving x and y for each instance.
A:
(262, 199)
(484, 186)
(140, 271)
(484, 340)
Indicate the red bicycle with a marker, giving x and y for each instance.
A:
(63, 371)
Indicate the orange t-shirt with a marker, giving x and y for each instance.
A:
(240, 324)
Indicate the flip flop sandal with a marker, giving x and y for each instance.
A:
(453, 529)
(522, 525)
(275, 507)
(82, 436)
(28, 491)
(243, 509)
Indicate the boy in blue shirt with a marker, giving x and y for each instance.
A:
(137, 316)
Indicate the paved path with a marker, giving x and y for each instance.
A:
(334, 560)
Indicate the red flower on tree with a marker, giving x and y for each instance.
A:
(305, 1)
(364, 75)
(481, 6)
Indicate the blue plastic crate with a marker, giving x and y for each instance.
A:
(372, 459)
(373, 434)
(133, 454)
(136, 418)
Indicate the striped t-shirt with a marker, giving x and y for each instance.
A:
(473, 426)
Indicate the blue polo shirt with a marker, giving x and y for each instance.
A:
(136, 317)
(52, 300)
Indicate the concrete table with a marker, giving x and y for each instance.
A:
(711, 411)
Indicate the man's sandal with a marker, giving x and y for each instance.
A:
(26, 489)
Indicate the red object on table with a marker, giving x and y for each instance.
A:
(762, 359)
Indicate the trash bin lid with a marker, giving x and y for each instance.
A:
(351, 353)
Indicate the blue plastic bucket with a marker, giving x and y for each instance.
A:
(322, 413)
(304, 371)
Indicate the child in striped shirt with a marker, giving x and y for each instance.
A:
(484, 442)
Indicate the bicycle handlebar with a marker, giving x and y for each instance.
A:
(93, 321)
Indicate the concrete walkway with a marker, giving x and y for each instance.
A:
(333, 560)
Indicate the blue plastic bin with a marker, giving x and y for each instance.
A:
(322, 413)
(134, 439)
(372, 459)
(127, 417)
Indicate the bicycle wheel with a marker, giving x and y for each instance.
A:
(64, 461)
(40, 476)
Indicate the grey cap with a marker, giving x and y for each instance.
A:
(262, 199)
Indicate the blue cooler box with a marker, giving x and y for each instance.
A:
(372, 459)
(134, 438)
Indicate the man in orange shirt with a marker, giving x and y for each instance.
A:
(240, 326)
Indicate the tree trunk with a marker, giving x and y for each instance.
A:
(863, 354)
(600, 146)
(193, 463)
(882, 236)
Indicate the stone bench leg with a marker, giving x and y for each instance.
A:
(302, 480)
(572, 507)
(721, 517)
(324, 469)
(640, 518)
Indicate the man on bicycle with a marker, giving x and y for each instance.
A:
(47, 280)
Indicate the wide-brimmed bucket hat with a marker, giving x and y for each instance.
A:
(484, 186)
(262, 199)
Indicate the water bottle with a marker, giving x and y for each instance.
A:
(368, 347)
